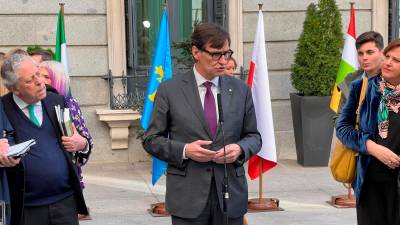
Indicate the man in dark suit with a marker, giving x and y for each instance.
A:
(44, 187)
(184, 133)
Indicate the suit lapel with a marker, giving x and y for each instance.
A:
(192, 97)
(49, 109)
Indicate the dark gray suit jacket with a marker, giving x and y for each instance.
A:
(178, 113)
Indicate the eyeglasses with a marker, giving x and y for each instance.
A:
(217, 55)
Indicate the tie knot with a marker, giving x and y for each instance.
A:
(208, 85)
(31, 107)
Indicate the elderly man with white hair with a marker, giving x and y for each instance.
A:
(44, 186)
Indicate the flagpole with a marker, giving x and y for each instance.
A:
(159, 209)
(346, 200)
(261, 204)
(260, 191)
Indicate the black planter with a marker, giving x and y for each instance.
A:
(313, 129)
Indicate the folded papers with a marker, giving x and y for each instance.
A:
(19, 150)
(64, 120)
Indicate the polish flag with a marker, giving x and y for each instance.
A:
(259, 84)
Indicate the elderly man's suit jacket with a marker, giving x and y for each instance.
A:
(177, 119)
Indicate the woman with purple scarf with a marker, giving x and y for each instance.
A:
(377, 182)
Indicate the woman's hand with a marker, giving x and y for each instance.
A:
(74, 143)
(383, 154)
(4, 160)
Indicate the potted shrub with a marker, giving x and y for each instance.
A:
(313, 73)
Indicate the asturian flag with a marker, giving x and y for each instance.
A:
(161, 70)
(61, 44)
(348, 64)
(259, 83)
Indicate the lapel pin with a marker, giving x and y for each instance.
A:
(230, 90)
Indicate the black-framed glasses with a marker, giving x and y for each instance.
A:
(217, 55)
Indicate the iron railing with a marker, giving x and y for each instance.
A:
(129, 91)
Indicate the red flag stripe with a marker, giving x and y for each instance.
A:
(352, 28)
(254, 166)
(251, 74)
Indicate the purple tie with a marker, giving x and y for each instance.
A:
(210, 111)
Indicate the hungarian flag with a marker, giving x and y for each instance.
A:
(349, 62)
(61, 44)
(259, 84)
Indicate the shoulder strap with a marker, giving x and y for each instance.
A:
(362, 97)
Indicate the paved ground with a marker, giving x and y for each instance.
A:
(121, 194)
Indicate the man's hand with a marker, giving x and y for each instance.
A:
(197, 153)
(383, 154)
(74, 143)
(233, 151)
(4, 160)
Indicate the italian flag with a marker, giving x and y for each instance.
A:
(61, 44)
(349, 62)
(259, 84)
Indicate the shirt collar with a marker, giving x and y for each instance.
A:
(21, 104)
(200, 79)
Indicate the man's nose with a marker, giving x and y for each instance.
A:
(39, 80)
(222, 60)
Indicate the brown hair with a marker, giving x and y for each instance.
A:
(370, 36)
(234, 62)
(392, 45)
(205, 33)
(45, 54)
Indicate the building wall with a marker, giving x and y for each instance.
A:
(283, 21)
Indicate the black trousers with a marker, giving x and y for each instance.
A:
(379, 202)
(63, 212)
(211, 215)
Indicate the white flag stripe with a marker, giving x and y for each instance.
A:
(350, 52)
(261, 94)
(64, 57)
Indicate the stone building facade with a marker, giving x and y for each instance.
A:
(97, 42)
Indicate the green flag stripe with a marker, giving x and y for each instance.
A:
(60, 37)
(344, 69)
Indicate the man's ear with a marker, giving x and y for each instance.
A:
(15, 90)
(195, 53)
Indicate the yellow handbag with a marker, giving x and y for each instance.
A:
(344, 160)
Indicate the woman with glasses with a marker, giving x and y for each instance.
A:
(377, 141)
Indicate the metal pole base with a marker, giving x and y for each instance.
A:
(158, 210)
(263, 205)
(343, 201)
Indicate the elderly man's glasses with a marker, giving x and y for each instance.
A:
(217, 55)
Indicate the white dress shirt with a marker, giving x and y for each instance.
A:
(38, 111)
(202, 92)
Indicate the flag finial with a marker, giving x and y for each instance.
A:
(260, 5)
(62, 8)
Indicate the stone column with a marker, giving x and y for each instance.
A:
(236, 30)
(380, 12)
(116, 36)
